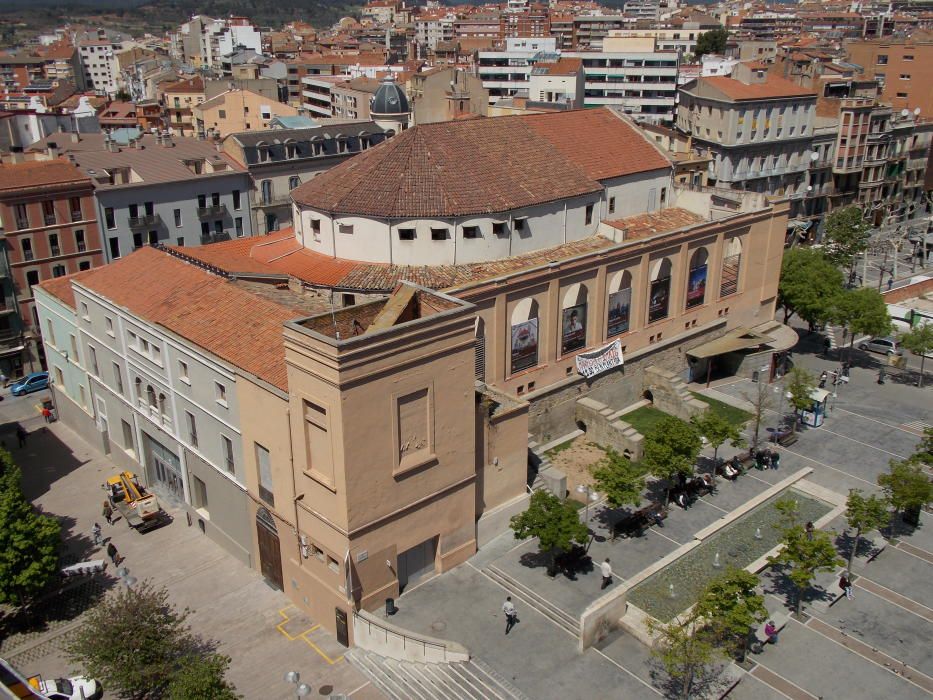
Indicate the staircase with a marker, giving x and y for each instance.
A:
(532, 599)
(671, 395)
(409, 680)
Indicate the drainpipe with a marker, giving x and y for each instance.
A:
(291, 468)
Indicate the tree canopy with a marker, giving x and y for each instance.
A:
(716, 430)
(800, 385)
(202, 677)
(554, 522)
(29, 540)
(861, 311)
(619, 479)
(806, 554)
(864, 513)
(808, 281)
(847, 235)
(713, 41)
(906, 485)
(671, 448)
(919, 340)
(685, 648)
(732, 605)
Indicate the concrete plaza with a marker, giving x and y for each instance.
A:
(255, 625)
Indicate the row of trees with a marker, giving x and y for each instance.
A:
(29, 541)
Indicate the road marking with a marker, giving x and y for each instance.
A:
(669, 539)
(844, 437)
(622, 668)
(356, 690)
(917, 425)
(907, 427)
(303, 635)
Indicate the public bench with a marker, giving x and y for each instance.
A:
(785, 437)
(637, 522)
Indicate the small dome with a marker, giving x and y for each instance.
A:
(390, 98)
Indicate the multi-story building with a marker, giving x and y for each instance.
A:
(178, 100)
(904, 68)
(159, 189)
(631, 73)
(442, 94)
(350, 99)
(50, 229)
(433, 26)
(589, 30)
(99, 67)
(759, 128)
(684, 41)
(237, 110)
(395, 428)
(279, 160)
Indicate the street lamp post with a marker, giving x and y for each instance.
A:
(590, 496)
(302, 690)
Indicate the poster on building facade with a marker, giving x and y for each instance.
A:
(619, 309)
(696, 286)
(659, 299)
(573, 329)
(589, 364)
(524, 345)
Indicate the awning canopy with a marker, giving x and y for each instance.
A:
(737, 339)
(819, 395)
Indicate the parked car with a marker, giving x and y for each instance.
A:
(886, 346)
(71, 689)
(37, 381)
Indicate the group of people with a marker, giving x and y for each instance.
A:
(841, 376)
(688, 490)
(97, 533)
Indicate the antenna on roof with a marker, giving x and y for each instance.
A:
(333, 315)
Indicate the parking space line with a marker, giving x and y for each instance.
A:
(622, 668)
(303, 635)
(845, 437)
(669, 539)
(828, 466)
(880, 422)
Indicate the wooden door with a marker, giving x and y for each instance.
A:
(270, 553)
(343, 635)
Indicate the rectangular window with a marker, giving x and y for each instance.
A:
(54, 248)
(264, 465)
(471, 232)
(200, 493)
(114, 247)
(499, 228)
(518, 224)
(318, 441)
(22, 217)
(134, 211)
(50, 332)
(882, 59)
(404, 234)
(177, 218)
(227, 449)
(59, 377)
(149, 208)
(236, 199)
(345, 228)
(75, 204)
(612, 205)
(118, 378)
(222, 113)
(192, 429)
(905, 76)
(215, 199)
(589, 214)
(92, 352)
(205, 228)
(127, 436)
(80, 242)
(220, 392)
(908, 57)
(438, 234)
(109, 323)
(48, 212)
(183, 371)
(58, 271)
(238, 226)
(137, 241)
(202, 201)
(84, 312)
(27, 250)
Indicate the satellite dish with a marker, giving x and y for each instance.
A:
(904, 112)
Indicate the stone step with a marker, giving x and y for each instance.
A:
(531, 598)
(404, 680)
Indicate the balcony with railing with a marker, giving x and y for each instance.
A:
(211, 210)
(49, 219)
(215, 237)
(76, 215)
(10, 339)
(145, 221)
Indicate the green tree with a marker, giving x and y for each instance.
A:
(860, 311)
(685, 649)
(847, 235)
(808, 279)
(788, 513)
(806, 555)
(907, 486)
(864, 514)
(713, 41)
(29, 540)
(761, 403)
(202, 677)
(134, 642)
(554, 522)
(619, 479)
(919, 340)
(716, 430)
(924, 452)
(732, 605)
(670, 449)
(800, 385)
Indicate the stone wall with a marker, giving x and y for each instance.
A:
(669, 394)
(552, 410)
(604, 428)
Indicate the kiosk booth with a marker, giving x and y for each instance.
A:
(814, 415)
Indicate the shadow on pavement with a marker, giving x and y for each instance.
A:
(43, 461)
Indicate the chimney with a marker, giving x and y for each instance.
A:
(53, 149)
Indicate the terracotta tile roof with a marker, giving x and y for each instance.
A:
(241, 328)
(195, 84)
(563, 66)
(645, 225)
(449, 169)
(598, 141)
(15, 176)
(773, 87)
(61, 289)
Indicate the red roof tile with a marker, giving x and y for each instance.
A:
(61, 289)
(35, 173)
(773, 87)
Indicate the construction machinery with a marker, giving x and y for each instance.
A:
(140, 510)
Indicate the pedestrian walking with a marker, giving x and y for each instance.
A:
(98, 540)
(47, 414)
(846, 585)
(775, 460)
(511, 617)
(827, 344)
(107, 512)
(606, 570)
(112, 553)
(21, 436)
(890, 282)
(771, 632)
(809, 528)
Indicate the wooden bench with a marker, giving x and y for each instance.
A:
(780, 622)
(783, 437)
(635, 524)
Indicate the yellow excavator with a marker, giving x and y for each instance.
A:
(140, 510)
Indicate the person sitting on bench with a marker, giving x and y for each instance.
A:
(730, 472)
(681, 499)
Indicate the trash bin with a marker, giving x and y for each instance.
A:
(390, 606)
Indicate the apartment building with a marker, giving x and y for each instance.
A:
(99, 66)
(759, 128)
(279, 160)
(350, 99)
(50, 229)
(170, 190)
(237, 110)
(903, 67)
(178, 101)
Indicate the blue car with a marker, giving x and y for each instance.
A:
(37, 381)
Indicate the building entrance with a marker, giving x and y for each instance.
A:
(416, 563)
(270, 552)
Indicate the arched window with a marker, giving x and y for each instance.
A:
(262, 151)
(524, 347)
(618, 309)
(291, 149)
(731, 264)
(659, 290)
(151, 395)
(293, 182)
(696, 278)
(266, 190)
(573, 319)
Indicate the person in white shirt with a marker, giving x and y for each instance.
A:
(606, 570)
(511, 617)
